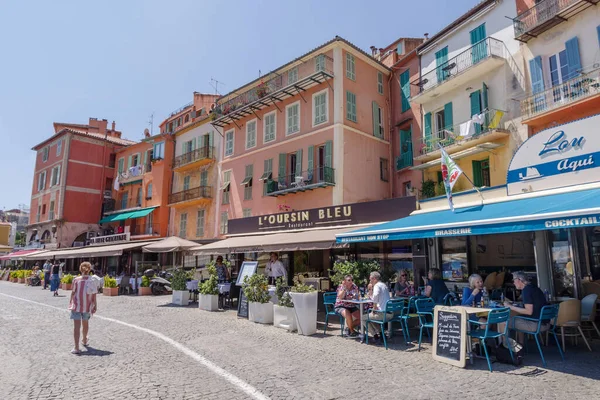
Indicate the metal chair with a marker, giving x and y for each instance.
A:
(392, 306)
(569, 316)
(425, 312)
(329, 303)
(548, 313)
(450, 299)
(588, 313)
(483, 331)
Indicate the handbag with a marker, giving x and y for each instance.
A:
(503, 354)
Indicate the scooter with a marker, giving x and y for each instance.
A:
(158, 285)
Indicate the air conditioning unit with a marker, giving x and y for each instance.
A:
(107, 194)
(91, 235)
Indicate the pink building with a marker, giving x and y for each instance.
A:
(312, 133)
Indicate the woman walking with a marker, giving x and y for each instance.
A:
(82, 304)
(54, 279)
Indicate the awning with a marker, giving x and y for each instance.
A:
(127, 215)
(266, 175)
(563, 210)
(246, 181)
(20, 254)
(88, 251)
(290, 241)
(170, 244)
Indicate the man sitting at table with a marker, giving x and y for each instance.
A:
(348, 291)
(380, 297)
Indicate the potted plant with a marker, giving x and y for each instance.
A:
(283, 311)
(209, 290)
(261, 90)
(14, 276)
(305, 307)
(21, 276)
(181, 296)
(145, 287)
(110, 287)
(260, 308)
(66, 281)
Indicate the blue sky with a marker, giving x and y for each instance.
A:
(69, 60)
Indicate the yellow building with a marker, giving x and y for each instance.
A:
(5, 237)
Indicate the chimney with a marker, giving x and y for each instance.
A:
(373, 50)
(113, 126)
(426, 36)
(146, 133)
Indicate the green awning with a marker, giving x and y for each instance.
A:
(141, 213)
(127, 215)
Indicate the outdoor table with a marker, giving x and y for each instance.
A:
(361, 308)
(475, 310)
(224, 288)
(192, 285)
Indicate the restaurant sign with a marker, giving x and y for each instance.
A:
(118, 238)
(347, 214)
(560, 156)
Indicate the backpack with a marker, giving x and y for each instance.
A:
(503, 354)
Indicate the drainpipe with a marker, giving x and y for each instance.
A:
(390, 104)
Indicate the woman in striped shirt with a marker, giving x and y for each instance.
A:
(82, 304)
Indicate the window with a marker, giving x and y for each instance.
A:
(39, 214)
(188, 146)
(186, 118)
(226, 186)
(269, 127)
(383, 169)
(42, 181)
(378, 130)
(183, 225)
(405, 90)
(379, 83)
(158, 151)
(138, 198)
(320, 107)
(186, 182)
(43, 209)
(267, 175)
(51, 211)
(204, 179)
(124, 200)
(351, 106)
(45, 152)
(149, 191)
(440, 123)
(481, 173)
(229, 143)
(559, 68)
(251, 134)
(135, 160)
(121, 166)
(247, 182)
(112, 160)
(293, 75)
(441, 58)
(58, 147)
(246, 212)
(293, 118)
(224, 220)
(292, 162)
(350, 67)
(320, 63)
(200, 223)
(55, 176)
(400, 48)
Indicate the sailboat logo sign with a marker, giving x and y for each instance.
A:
(557, 157)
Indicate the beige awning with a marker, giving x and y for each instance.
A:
(170, 244)
(318, 239)
(87, 251)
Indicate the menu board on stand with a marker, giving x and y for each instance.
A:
(450, 335)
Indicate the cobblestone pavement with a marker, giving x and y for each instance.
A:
(127, 362)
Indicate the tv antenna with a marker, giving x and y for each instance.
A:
(215, 84)
(151, 123)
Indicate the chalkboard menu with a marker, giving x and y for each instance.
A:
(242, 306)
(449, 335)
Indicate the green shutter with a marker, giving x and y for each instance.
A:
(448, 117)
(477, 174)
(121, 165)
(204, 178)
(476, 107)
(479, 50)
(129, 162)
(193, 144)
(311, 162)
(405, 90)
(282, 162)
(376, 121)
(146, 157)
(427, 124)
(210, 139)
(328, 155)
(440, 177)
(299, 162)
(484, 97)
(441, 58)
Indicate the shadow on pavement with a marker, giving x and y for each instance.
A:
(90, 351)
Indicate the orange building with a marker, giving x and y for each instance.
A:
(73, 169)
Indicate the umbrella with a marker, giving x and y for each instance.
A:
(170, 244)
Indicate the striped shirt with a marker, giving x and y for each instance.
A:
(81, 300)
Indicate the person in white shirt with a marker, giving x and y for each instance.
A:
(275, 269)
(97, 280)
(380, 297)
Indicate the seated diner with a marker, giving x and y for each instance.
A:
(435, 286)
(402, 286)
(348, 291)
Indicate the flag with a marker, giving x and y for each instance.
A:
(450, 174)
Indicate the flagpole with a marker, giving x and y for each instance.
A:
(474, 187)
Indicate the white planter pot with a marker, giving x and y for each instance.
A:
(260, 312)
(284, 317)
(305, 308)
(181, 297)
(208, 302)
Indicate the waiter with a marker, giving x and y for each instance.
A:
(275, 269)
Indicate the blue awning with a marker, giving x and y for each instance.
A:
(564, 210)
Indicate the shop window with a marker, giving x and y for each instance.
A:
(562, 264)
(454, 259)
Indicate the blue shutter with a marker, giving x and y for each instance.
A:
(479, 50)
(405, 90)
(573, 59)
(537, 77)
(441, 58)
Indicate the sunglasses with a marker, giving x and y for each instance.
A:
(403, 275)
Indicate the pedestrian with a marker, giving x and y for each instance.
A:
(82, 304)
(275, 269)
(54, 279)
(222, 270)
(47, 267)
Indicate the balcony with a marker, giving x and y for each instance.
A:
(194, 158)
(472, 63)
(464, 135)
(191, 196)
(405, 160)
(274, 88)
(134, 174)
(306, 180)
(578, 89)
(145, 230)
(545, 15)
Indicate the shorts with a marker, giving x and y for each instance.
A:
(350, 309)
(525, 325)
(80, 316)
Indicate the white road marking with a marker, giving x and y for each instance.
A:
(234, 380)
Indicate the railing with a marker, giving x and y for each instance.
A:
(199, 154)
(540, 13)
(146, 229)
(316, 65)
(316, 177)
(108, 205)
(191, 194)
(134, 173)
(475, 54)
(466, 130)
(575, 89)
(180, 109)
(405, 160)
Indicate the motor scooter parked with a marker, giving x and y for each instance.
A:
(159, 284)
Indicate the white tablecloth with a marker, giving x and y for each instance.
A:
(135, 283)
(192, 285)
(224, 287)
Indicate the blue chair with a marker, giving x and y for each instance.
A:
(450, 299)
(329, 300)
(425, 312)
(391, 308)
(483, 331)
(548, 313)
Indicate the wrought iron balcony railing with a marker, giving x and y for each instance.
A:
(405, 160)
(487, 121)
(474, 55)
(134, 173)
(191, 194)
(202, 153)
(145, 230)
(575, 89)
(299, 182)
